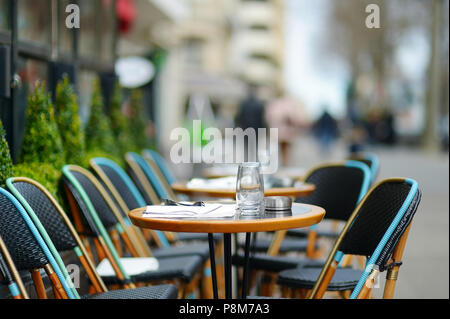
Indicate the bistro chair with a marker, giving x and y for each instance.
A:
(52, 221)
(339, 188)
(29, 252)
(371, 160)
(145, 177)
(28, 248)
(10, 274)
(161, 164)
(126, 194)
(356, 175)
(124, 191)
(182, 268)
(378, 230)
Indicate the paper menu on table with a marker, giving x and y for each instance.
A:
(207, 211)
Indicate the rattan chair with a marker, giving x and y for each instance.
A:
(29, 251)
(147, 180)
(127, 195)
(378, 230)
(97, 216)
(143, 174)
(333, 199)
(10, 274)
(371, 160)
(162, 165)
(339, 188)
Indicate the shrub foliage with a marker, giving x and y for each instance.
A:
(99, 135)
(42, 141)
(69, 123)
(5, 158)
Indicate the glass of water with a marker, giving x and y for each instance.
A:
(250, 188)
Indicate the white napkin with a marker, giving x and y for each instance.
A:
(213, 183)
(207, 211)
(133, 266)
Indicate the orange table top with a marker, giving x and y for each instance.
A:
(301, 215)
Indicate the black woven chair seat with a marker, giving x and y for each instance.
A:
(276, 263)
(343, 279)
(196, 236)
(154, 292)
(169, 268)
(303, 233)
(288, 245)
(201, 250)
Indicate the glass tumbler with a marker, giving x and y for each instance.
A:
(250, 189)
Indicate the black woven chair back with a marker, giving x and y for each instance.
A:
(375, 217)
(22, 245)
(338, 188)
(121, 186)
(100, 205)
(48, 216)
(138, 184)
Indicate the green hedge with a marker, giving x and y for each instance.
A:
(5, 158)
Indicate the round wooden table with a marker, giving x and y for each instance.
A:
(301, 215)
(302, 190)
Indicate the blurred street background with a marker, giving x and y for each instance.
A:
(315, 70)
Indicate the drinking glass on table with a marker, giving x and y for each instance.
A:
(250, 188)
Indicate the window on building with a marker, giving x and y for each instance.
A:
(65, 35)
(107, 31)
(4, 15)
(34, 20)
(89, 39)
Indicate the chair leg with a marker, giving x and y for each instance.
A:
(285, 292)
(365, 291)
(268, 283)
(344, 294)
(38, 283)
(94, 281)
(347, 260)
(103, 249)
(116, 241)
(206, 283)
(220, 266)
(328, 276)
(129, 245)
(58, 289)
(392, 274)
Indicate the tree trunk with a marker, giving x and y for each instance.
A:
(431, 138)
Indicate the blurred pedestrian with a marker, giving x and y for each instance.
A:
(326, 130)
(251, 115)
(285, 114)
